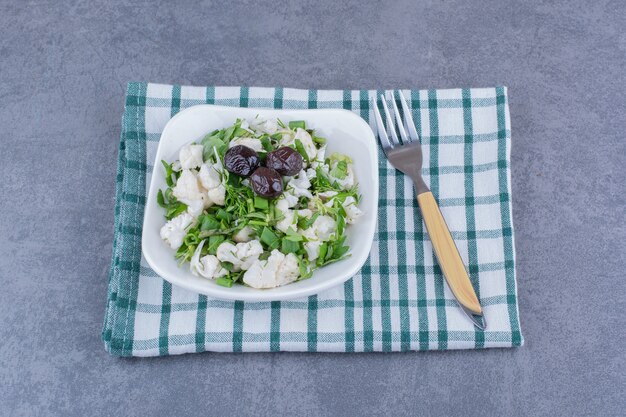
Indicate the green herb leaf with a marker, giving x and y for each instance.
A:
(227, 266)
(175, 210)
(267, 145)
(224, 215)
(214, 242)
(168, 173)
(341, 225)
(322, 254)
(209, 223)
(161, 199)
(213, 142)
(303, 266)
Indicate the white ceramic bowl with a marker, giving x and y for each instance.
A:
(345, 133)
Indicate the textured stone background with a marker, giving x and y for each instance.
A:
(63, 71)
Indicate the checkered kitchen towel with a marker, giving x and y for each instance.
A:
(397, 302)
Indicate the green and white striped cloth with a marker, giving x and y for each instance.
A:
(397, 302)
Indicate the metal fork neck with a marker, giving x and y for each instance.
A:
(420, 185)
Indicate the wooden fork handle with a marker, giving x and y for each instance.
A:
(447, 253)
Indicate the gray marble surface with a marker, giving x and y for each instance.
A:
(63, 71)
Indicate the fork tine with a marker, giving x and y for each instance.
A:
(390, 122)
(382, 134)
(408, 118)
(396, 114)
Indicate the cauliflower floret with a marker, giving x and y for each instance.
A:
(312, 249)
(187, 187)
(299, 185)
(305, 213)
(277, 270)
(287, 137)
(188, 191)
(190, 156)
(327, 194)
(264, 126)
(252, 143)
(289, 215)
(173, 232)
(352, 210)
(288, 219)
(226, 252)
(322, 229)
(290, 199)
(195, 207)
(241, 255)
(244, 235)
(288, 271)
(208, 266)
(319, 157)
(212, 181)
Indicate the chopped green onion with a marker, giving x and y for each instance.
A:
(228, 133)
(293, 235)
(319, 140)
(224, 282)
(301, 150)
(269, 238)
(297, 124)
(261, 203)
(258, 223)
(289, 246)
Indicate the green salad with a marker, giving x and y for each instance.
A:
(259, 203)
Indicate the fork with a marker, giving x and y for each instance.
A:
(405, 155)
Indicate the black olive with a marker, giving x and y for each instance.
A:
(285, 160)
(267, 182)
(241, 160)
